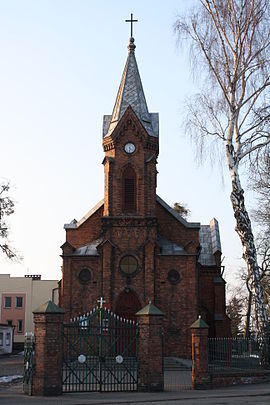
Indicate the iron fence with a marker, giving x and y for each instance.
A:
(177, 374)
(29, 347)
(100, 353)
(234, 354)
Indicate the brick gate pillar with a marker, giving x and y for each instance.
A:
(200, 375)
(150, 349)
(47, 376)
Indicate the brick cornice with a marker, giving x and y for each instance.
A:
(131, 221)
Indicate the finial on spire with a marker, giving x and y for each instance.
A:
(131, 46)
(131, 24)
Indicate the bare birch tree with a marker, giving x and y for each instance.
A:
(6, 209)
(260, 183)
(230, 40)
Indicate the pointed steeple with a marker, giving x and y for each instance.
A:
(131, 94)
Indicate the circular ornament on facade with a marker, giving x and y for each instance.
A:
(173, 277)
(129, 148)
(128, 265)
(119, 359)
(82, 358)
(84, 276)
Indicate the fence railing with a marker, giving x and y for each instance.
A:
(233, 354)
(29, 350)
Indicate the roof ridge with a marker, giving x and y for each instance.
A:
(176, 215)
(75, 224)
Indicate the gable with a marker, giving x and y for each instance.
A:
(75, 224)
(82, 233)
(176, 229)
(129, 120)
(177, 216)
(189, 235)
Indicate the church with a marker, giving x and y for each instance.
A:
(132, 248)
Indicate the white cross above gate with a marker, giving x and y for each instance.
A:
(101, 301)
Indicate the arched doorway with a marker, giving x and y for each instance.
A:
(127, 304)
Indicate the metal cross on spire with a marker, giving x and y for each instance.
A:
(131, 24)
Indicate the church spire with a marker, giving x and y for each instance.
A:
(131, 94)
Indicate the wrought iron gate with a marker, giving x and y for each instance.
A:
(100, 353)
(29, 347)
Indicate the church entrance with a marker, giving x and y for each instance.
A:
(126, 307)
(100, 353)
(127, 304)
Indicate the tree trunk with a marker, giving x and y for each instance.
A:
(248, 315)
(244, 230)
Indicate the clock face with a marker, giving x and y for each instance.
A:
(129, 147)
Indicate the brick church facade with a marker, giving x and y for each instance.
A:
(132, 247)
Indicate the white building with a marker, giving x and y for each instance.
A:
(6, 338)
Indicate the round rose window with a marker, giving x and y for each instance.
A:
(173, 276)
(85, 276)
(128, 265)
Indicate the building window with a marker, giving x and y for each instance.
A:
(7, 339)
(19, 326)
(7, 302)
(19, 302)
(9, 323)
(129, 188)
(173, 277)
(1, 339)
(84, 276)
(128, 265)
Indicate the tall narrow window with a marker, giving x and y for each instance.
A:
(19, 302)
(7, 302)
(19, 326)
(129, 188)
(7, 339)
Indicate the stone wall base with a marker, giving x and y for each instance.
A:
(219, 380)
(42, 389)
(203, 383)
(151, 386)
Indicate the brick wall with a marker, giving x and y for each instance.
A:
(47, 376)
(87, 231)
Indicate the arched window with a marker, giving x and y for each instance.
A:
(129, 190)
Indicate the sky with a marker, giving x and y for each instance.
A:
(61, 63)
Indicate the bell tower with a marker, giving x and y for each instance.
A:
(130, 143)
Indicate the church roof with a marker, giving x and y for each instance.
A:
(75, 224)
(209, 236)
(176, 215)
(88, 250)
(131, 94)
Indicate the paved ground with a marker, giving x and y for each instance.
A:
(253, 394)
(11, 393)
(11, 368)
(10, 365)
